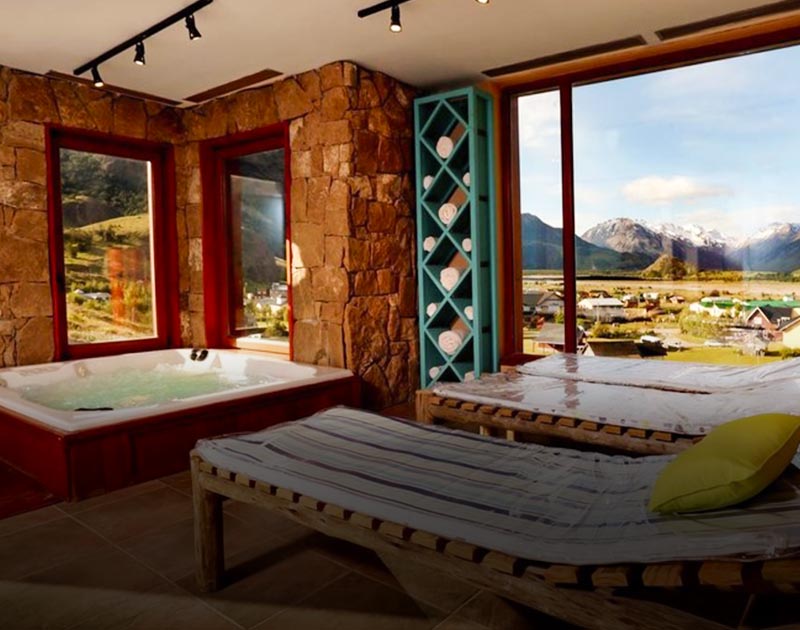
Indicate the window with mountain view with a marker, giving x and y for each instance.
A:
(109, 196)
(542, 250)
(685, 207)
(259, 280)
(246, 240)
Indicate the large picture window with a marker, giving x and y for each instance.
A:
(685, 210)
(109, 230)
(245, 180)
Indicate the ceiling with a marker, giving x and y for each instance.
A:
(443, 43)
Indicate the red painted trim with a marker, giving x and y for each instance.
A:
(511, 340)
(56, 245)
(512, 344)
(568, 220)
(79, 465)
(219, 307)
(160, 155)
(663, 60)
(287, 221)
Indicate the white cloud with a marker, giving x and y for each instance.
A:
(655, 190)
(540, 121)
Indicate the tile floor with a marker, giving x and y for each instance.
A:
(124, 560)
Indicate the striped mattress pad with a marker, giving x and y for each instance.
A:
(530, 501)
(628, 405)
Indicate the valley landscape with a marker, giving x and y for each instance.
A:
(694, 289)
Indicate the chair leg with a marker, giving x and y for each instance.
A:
(746, 612)
(208, 541)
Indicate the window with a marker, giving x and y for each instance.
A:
(541, 223)
(686, 220)
(109, 229)
(245, 179)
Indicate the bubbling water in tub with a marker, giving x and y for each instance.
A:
(130, 387)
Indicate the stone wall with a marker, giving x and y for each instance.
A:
(27, 103)
(353, 260)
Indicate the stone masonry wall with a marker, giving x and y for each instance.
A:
(27, 103)
(353, 259)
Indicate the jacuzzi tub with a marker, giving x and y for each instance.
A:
(88, 426)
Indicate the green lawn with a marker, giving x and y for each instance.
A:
(719, 356)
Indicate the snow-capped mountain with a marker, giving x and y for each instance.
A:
(774, 248)
(697, 235)
(702, 248)
(625, 235)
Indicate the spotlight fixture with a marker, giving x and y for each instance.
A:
(97, 80)
(192, 28)
(394, 6)
(394, 24)
(137, 41)
(138, 59)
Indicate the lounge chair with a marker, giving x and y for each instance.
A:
(563, 531)
(626, 405)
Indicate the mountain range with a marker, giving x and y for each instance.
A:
(624, 244)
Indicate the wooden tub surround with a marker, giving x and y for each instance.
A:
(607, 597)
(515, 424)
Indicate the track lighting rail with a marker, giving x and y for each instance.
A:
(381, 6)
(156, 28)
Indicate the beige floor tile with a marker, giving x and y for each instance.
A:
(46, 545)
(139, 514)
(182, 482)
(170, 550)
(268, 521)
(261, 586)
(29, 519)
(72, 592)
(356, 602)
(454, 623)
(498, 613)
(104, 499)
(436, 589)
(166, 608)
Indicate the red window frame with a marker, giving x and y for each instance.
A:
(164, 253)
(217, 238)
(511, 340)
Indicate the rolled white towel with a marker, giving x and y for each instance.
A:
(434, 371)
(467, 179)
(449, 277)
(431, 309)
(466, 245)
(429, 243)
(450, 340)
(447, 212)
(427, 181)
(446, 144)
(469, 313)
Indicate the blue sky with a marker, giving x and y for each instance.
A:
(716, 144)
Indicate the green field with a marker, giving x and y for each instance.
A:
(85, 251)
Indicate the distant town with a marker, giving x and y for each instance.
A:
(655, 324)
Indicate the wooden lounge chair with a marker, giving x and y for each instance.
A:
(602, 596)
(625, 405)
(515, 424)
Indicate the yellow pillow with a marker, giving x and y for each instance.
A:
(735, 462)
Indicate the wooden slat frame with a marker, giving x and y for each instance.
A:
(513, 423)
(537, 585)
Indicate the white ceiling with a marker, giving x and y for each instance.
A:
(444, 42)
